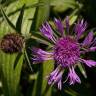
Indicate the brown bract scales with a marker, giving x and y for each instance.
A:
(12, 43)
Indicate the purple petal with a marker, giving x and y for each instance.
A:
(56, 77)
(60, 84)
(40, 51)
(40, 55)
(88, 39)
(67, 24)
(53, 76)
(89, 63)
(93, 48)
(59, 25)
(73, 77)
(80, 27)
(93, 42)
(47, 31)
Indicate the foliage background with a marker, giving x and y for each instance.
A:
(26, 16)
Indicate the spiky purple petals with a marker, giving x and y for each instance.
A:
(89, 63)
(73, 77)
(67, 51)
(93, 49)
(40, 55)
(59, 25)
(56, 77)
(80, 27)
(88, 39)
(47, 31)
(67, 24)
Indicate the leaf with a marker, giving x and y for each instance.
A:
(48, 67)
(11, 75)
(71, 92)
(41, 14)
(7, 19)
(41, 87)
(13, 10)
(41, 39)
(27, 58)
(82, 70)
(63, 5)
(19, 20)
(73, 19)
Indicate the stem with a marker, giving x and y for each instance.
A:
(29, 64)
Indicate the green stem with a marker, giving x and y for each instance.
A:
(28, 60)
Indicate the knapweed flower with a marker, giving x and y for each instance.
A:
(12, 43)
(67, 51)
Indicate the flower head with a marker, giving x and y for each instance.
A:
(12, 43)
(66, 51)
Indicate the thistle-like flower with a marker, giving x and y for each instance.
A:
(66, 51)
(12, 43)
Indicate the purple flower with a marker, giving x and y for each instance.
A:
(66, 51)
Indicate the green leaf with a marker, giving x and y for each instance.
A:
(73, 19)
(71, 92)
(41, 87)
(82, 70)
(19, 20)
(13, 11)
(7, 19)
(37, 36)
(48, 67)
(11, 75)
(63, 5)
(27, 58)
(41, 14)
